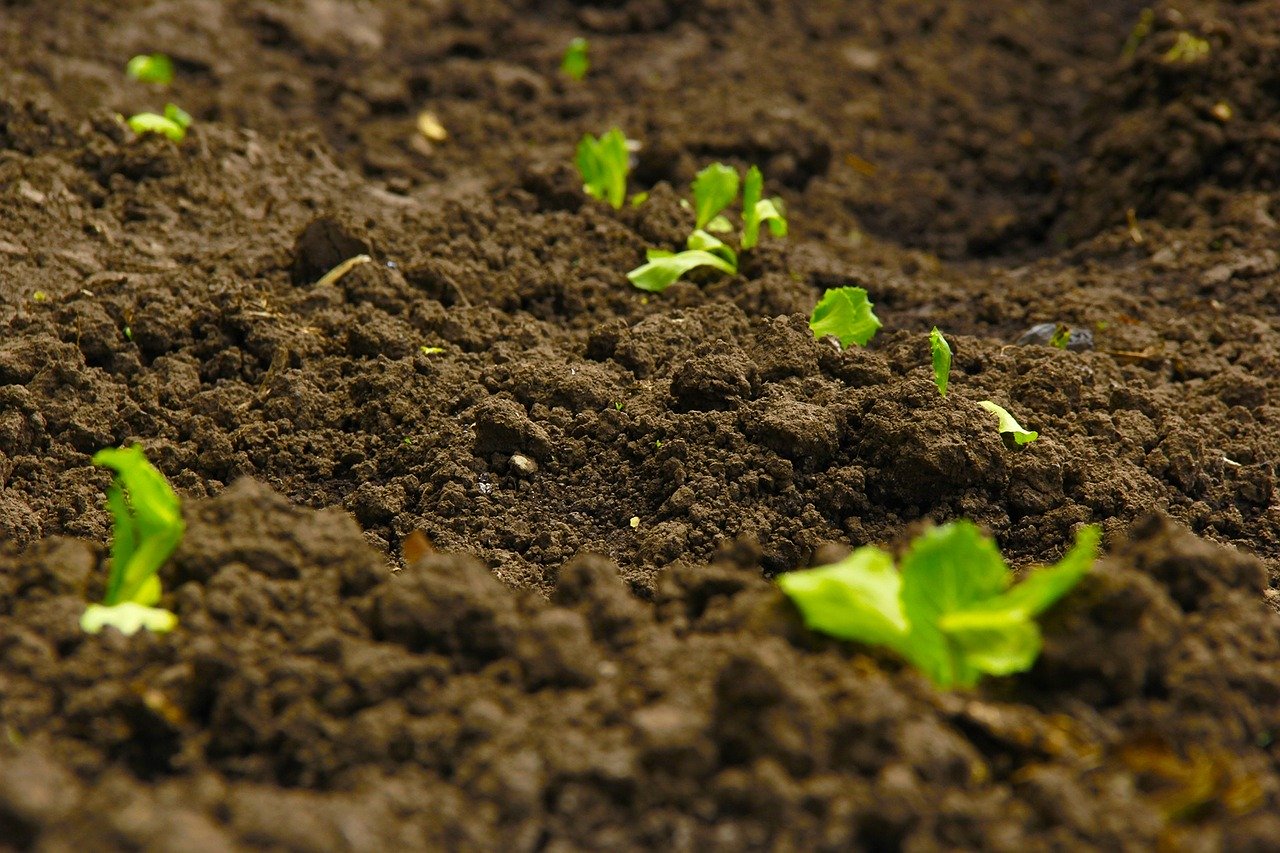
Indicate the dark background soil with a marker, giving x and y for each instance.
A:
(553, 678)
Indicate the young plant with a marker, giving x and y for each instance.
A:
(1009, 426)
(941, 360)
(173, 123)
(151, 68)
(575, 63)
(147, 527)
(714, 189)
(604, 164)
(950, 607)
(845, 312)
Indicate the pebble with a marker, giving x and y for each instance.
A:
(523, 465)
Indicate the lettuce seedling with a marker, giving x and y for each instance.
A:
(757, 211)
(1009, 425)
(148, 525)
(941, 360)
(575, 63)
(151, 68)
(664, 268)
(604, 164)
(950, 607)
(173, 123)
(845, 312)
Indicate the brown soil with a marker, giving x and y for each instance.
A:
(552, 677)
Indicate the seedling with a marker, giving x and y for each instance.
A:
(845, 312)
(173, 123)
(1009, 426)
(575, 63)
(1187, 50)
(949, 607)
(941, 360)
(151, 68)
(147, 527)
(714, 189)
(604, 163)
(1061, 336)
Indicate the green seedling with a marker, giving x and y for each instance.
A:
(941, 360)
(1061, 336)
(1187, 50)
(147, 527)
(757, 211)
(575, 63)
(1009, 425)
(845, 312)
(949, 607)
(604, 164)
(664, 268)
(173, 123)
(151, 68)
(714, 189)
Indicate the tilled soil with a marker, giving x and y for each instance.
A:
(553, 676)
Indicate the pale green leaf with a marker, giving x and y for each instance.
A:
(714, 189)
(128, 618)
(941, 360)
(854, 599)
(1009, 425)
(664, 270)
(575, 63)
(151, 68)
(845, 312)
(604, 164)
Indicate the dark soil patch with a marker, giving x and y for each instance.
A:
(553, 676)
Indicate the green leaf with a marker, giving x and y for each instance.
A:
(177, 115)
(152, 123)
(756, 211)
(1008, 425)
(854, 599)
(714, 189)
(664, 268)
(941, 360)
(128, 618)
(948, 568)
(701, 241)
(604, 164)
(151, 68)
(575, 63)
(846, 313)
(1002, 650)
(720, 224)
(148, 526)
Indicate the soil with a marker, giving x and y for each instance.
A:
(591, 653)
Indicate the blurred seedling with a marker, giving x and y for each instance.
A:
(845, 314)
(575, 63)
(604, 163)
(151, 68)
(147, 527)
(950, 606)
(173, 123)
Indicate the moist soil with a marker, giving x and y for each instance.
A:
(587, 650)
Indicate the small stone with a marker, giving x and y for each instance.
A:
(523, 465)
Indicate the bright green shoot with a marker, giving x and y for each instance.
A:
(173, 123)
(148, 525)
(664, 269)
(604, 164)
(845, 312)
(714, 189)
(950, 606)
(757, 211)
(151, 68)
(575, 63)
(1009, 425)
(941, 360)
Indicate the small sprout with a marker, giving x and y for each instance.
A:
(407, 441)
(941, 360)
(1139, 33)
(147, 528)
(604, 164)
(1187, 50)
(845, 312)
(39, 296)
(658, 444)
(714, 189)
(663, 268)
(173, 123)
(151, 68)
(430, 127)
(949, 607)
(638, 199)
(635, 522)
(1009, 426)
(757, 210)
(720, 225)
(575, 63)
(426, 350)
(1061, 336)
(618, 406)
(128, 334)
